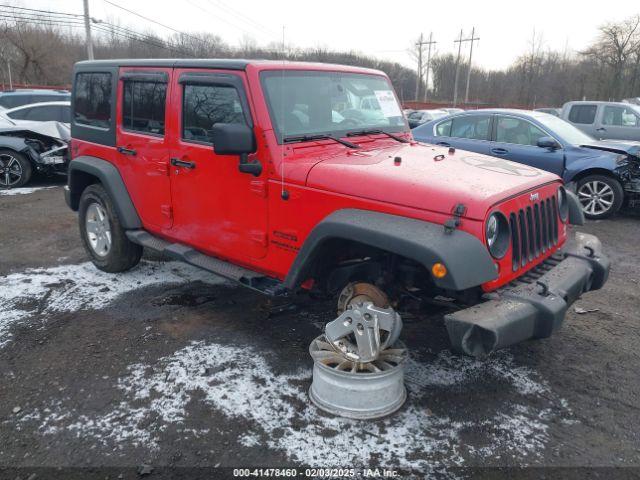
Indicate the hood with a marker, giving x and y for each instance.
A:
(427, 177)
(57, 130)
(615, 146)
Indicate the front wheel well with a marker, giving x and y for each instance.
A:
(338, 261)
(595, 171)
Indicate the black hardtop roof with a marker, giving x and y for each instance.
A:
(224, 63)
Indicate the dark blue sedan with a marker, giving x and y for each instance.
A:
(604, 174)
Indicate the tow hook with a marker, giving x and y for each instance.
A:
(545, 288)
(591, 251)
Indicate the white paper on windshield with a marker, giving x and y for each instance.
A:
(388, 103)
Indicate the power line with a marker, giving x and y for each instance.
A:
(243, 17)
(48, 12)
(152, 21)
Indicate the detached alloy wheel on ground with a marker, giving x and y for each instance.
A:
(600, 196)
(15, 169)
(102, 234)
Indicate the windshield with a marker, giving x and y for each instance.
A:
(332, 103)
(564, 130)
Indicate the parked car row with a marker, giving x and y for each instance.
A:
(604, 173)
(34, 134)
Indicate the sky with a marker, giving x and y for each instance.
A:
(385, 30)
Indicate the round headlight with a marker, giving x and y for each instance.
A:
(498, 234)
(563, 204)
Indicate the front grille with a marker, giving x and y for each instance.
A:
(534, 230)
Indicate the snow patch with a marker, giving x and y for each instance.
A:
(239, 383)
(68, 288)
(23, 190)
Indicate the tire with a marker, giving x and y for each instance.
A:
(102, 234)
(600, 196)
(15, 169)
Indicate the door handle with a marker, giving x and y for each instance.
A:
(601, 129)
(499, 151)
(443, 144)
(126, 151)
(176, 162)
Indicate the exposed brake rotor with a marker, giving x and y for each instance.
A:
(360, 292)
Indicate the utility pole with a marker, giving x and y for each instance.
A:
(419, 79)
(426, 81)
(9, 70)
(472, 39)
(87, 29)
(455, 83)
(420, 44)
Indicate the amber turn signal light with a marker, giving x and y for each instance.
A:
(438, 270)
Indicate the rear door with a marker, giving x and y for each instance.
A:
(466, 132)
(142, 146)
(583, 116)
(516, 139)
(619, 122)
(217, 209)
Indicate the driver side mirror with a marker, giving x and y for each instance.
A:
(236, 139)
(548, 142)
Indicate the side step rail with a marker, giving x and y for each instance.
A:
(178, 251)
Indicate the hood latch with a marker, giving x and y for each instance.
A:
(454, 222)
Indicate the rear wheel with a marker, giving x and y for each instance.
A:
(600, 196)
(102, 234)
(15, 169)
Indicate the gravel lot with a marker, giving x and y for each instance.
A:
(169, 366)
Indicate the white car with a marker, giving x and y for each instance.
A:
(39, 112)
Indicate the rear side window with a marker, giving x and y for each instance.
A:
(39, 114)
(143, 106)
(204, 106)
(92, 100)
(475, 127)
(584, 114)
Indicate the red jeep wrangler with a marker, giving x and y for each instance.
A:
(289, 176)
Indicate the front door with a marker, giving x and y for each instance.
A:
(516, 139)
(217, 209)
(142, 143)
(619, 123)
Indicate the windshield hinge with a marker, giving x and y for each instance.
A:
(454, 222)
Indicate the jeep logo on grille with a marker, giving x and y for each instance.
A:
(534, 197)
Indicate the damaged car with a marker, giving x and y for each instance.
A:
(27, 148)
(604, 173)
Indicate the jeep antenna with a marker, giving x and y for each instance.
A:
(283, 193)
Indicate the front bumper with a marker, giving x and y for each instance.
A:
(535, 304)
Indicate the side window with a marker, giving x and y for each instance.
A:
(475, 127)
(21, 114)
(204, 106)
(620, 117)
(143, 106)
(583, 114)
(92, 99)
(44, 114)
(517, 131)
(443, 129)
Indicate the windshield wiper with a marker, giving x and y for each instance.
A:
(307, 138)
(376, 131)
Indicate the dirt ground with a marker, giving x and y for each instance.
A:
(167, 366)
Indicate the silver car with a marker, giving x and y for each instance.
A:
(604, 120)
